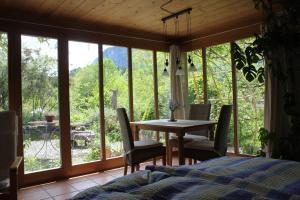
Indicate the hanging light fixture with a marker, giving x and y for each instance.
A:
(192, 67)
(165, 71)
(179, 70)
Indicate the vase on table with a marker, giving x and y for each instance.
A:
(173, 105)
(172, 117)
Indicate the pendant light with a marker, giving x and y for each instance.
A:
(179, 71)
(165, 71)
(192, 67)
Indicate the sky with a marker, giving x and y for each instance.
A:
(80, 53)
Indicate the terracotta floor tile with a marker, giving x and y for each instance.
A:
(117, 172)
(101, 178)
(77, 179)
(33, 195)
(83, 185)
(54, 184)
(60, 189)
(65, 196)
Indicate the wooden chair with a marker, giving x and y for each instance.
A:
(136, 152)
(197, 112)
(9, 163)
(206, 149)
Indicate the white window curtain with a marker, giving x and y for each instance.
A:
(179, 84)
(276, 119)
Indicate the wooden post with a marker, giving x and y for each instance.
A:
(15, 89)
(204, 68)
(155, 83)
(235, 104)
(130, 87)
(64, 105)
(101, 102)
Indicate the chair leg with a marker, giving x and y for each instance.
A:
(190, 161)
(125, 168)
(170, 156)
(138, 167)
(154, 161)
(164, 160)
(195, 161)
(132, 168)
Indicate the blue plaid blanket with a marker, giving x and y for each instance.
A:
(221, 178)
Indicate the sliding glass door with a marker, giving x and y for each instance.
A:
(115, 87)
(40, 115)
(84, 102)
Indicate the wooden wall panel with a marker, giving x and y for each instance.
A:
(222, 37)
(83, 35)
(15, 87)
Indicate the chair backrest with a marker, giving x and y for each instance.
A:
(125, 130)
(8, 141)
(200, 112)
(220, 144)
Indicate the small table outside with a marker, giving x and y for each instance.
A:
(179, 127)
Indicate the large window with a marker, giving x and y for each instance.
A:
(40, 103)
(143, 88)
(219, 81)
(115, 75)
(250, 109)
(250, 95)
(164, 87)
(195, 79)
(84, 102)
(3, 72)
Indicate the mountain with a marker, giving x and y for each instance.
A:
(118, 56)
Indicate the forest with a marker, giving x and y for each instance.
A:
(40, 97)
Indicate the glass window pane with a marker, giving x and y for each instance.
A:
(143, 88)
(115, 70)
(164, 88)
(219, 80)
(195, 79)
(3, 72)
(40, 112)
(164, 85)
(250, 108)
(84, 102)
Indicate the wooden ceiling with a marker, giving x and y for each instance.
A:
(137, 18)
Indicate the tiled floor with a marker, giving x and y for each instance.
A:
(65, 189)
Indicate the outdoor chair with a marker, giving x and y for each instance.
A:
(206, 149)
(136, 152)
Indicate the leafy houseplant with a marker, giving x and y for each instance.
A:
(265, 137)
(279, 45)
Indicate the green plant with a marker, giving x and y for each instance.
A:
(265, 137)
(279, 46)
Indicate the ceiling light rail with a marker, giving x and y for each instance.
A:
(181, 12)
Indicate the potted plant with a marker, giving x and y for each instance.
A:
(265, 137)
(49, 116)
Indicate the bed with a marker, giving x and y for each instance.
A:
(221, 178)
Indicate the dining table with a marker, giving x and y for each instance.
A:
(178, 127)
